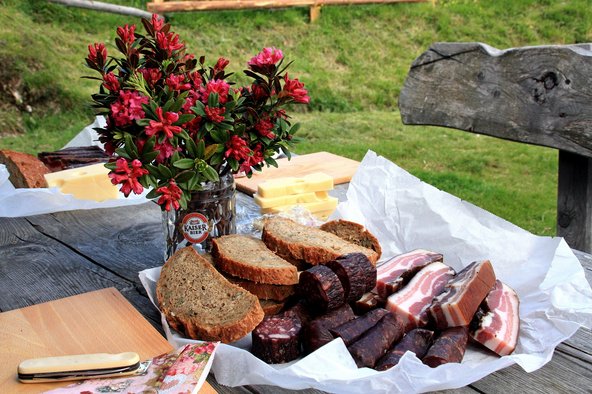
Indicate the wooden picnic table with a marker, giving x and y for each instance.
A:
(47, 257)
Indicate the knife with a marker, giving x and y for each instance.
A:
(81, 366)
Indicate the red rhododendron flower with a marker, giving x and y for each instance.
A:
(215, 114)
(193, 125)
(255, 158)
(267, 57)
(97, 54)
(168, 42)
(110, 82)
(264, 127)
(219, 86)
(128, 107)
(151, 75)
(237, 148)
(164, 124)
(295, 89)
(190, 101)
(157, 22)
(177, 82)
(165, 150)
(126, 33)
(128, 177)
(170, 195)
(258, 91)
(221, 65)
(195, 78)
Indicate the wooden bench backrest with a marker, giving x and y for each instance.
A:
(537, 95)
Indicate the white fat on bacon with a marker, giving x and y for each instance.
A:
(496, 323)
(393, 274)
(410, 304)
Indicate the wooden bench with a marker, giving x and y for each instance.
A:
(535, 95)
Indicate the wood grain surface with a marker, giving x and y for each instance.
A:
(340, 168)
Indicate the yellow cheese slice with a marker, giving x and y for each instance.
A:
(85, 183)
(290, 199)
(315, 182)
(326, 205)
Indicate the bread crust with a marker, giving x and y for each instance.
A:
(175, 270)
(353, 232)
(284, 246)
(247, 265)
(264, 291)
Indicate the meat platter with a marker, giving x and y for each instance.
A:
(406, 214)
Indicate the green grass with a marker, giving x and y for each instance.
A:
(353, 60)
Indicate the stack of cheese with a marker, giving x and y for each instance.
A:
(311, 192)
(85, 183)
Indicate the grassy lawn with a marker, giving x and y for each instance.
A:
(353, 60)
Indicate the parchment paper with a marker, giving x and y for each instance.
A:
(406, 213)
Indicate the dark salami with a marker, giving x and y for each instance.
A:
(316, 332)
(352, 330)
(368, 302)
(376, 341)
(321, 288)
(356, 273)
(277, 339)
(449, 347)
(417, 341)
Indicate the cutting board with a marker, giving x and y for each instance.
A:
(340, 168)
(101, 321)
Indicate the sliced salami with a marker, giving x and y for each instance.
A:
(417, 341)
(276, 339)
(352, 330)
(377, 341)
(449, 347)
(356, 273)
(367, 302)
(321, 288)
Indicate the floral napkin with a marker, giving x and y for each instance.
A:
(181, 371)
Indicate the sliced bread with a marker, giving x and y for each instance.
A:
(197, 300)
(295, 241)
(264, 291)
(26, 171)
(353, 232)
(271, 307)
(248, 258)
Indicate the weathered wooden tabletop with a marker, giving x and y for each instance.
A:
(52, 256)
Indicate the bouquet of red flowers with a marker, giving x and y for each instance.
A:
(173, 123)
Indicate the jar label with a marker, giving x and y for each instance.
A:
(195, 227)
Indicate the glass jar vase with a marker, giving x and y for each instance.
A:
(210, 213)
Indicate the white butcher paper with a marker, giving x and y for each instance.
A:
(405, 214)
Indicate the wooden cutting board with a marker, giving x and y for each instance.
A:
(340, 168)
(101, 321)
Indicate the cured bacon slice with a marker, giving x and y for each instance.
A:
(393, 274)
(411, 303)
(497, 321)
(459, 301)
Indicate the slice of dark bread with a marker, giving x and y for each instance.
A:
(248, 258)
(264, 291)
(295, 241)
(26, 171)
(271, 307)
(197, 300)
(353, 232)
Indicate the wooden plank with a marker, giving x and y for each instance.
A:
(574, 200)
(96, 322)
(537, 95)
(211, 5)
(340, 168)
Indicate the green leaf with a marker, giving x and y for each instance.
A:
(166, 107)
(271, 162)
(191, 148)
(224, 126)
(209, 126)
(123, 153)
(183, 134)
(152, 194)
(201, 149)
(219, 136)
(211, 174)
(295, 128)
(175, 156)
(199, 109)
(184, 119)
(111, 165)
(213, 100)
(150, 156)
(130, 147)
(216, 159)
(286, 152)
(167, 174)
(143, 122)
(210, 150)
(185, 176)
(149, 144)
(177, 104)
(184, 164)
(193, 182)
(233, 163)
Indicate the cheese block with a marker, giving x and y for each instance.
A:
(290, 199)
(291, 185)
(85, 183)
(325, 205)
